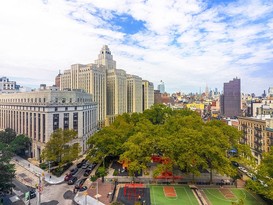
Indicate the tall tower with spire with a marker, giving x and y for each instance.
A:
(105, 58)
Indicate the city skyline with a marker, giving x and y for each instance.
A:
(187, 44)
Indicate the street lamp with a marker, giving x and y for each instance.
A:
(97, 187)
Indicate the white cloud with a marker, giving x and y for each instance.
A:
(185, 43)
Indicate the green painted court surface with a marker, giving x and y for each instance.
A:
(185, 196)
(216, 197)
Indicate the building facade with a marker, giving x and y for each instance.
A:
(7, 86)
(161, 87)
(257, 133)
(116, 93)
(92, 79)
(109, 87)
(147, 94)
(106, 58)
(231, 99)
(134, 94)
(39, 113)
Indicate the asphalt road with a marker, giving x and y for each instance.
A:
(61, 194)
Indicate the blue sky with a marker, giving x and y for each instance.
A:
(186, 43)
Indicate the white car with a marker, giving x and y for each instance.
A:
(243, 169)
(262, 183)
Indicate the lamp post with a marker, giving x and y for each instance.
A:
(97, 188)
(85, 194)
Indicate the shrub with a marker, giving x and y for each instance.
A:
(115, 173)
(93, 178)
(43, 166)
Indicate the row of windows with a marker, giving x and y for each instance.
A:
(31, 124)
(43, 100)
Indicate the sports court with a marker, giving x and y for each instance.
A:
(172, 195)
(224, 196)
(183, 194)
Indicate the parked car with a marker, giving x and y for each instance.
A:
(242, 169)
(84, 160)
(67, 177)
(87, 172)
(235, 164)
(83, 188)
(32, 194)
(79, 165)
(72, 180)
(85, 165)
(74, 171)
(79, 183)
(249, 174)
(262, 183)
(91, 166)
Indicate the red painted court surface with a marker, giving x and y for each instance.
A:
(169, 191)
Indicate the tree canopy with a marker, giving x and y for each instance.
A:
(60, 148)
(10, 143)
(264, 184)
(181, 136)
(7, 170)
(7, 136)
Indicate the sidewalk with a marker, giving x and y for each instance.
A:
(37, 171)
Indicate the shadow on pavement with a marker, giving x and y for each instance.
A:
(69, 195)
(53, 202)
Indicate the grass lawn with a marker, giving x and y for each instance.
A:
(217, 198)
(184, 196)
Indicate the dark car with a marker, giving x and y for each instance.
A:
(72, 180)
(235, 164)
(83, 188)
(83, 161)
(32, 194)
(74, 171)
(79, 183)
(87, 172)
(91, 166)
(79, 165)
(68, 177)
(85, 165)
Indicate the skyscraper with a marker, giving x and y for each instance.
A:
(116, 93)
(109, 87)
(231, 98)
(161, 87)
(92, 79)
(148, 94)
(134, 93)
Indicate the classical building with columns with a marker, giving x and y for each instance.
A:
(38, 113)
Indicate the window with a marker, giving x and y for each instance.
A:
(75, 121)
(66, 121)
(55, 121)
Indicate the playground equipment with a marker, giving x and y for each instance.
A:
(134, 191)
(166, 174)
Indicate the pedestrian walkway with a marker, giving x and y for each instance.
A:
(37, 171)
(82, 198)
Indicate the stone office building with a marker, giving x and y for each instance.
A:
(38, 113)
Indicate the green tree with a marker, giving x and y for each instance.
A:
(20, 144)
(60, 148)
(101, 172)
(7, 136)
(157, 114)
(265, 174)
(7, 170)
(109, 141)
